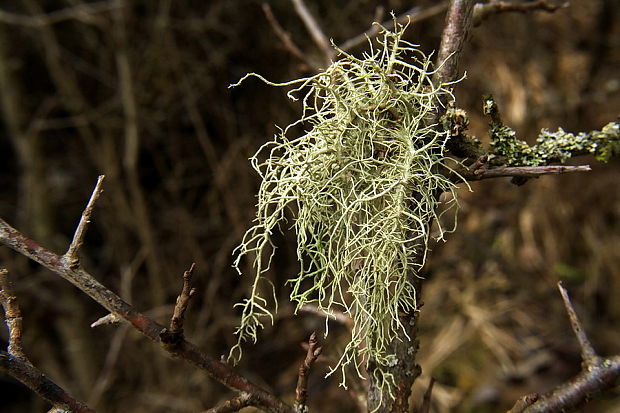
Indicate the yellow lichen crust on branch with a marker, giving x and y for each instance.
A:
(361, 185)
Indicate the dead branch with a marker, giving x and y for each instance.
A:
(317, 34)
(233, 405)
(184, 350)
(82, 12)
(174, 333)
(426, 402)
(597, 375)
(15, 363)
(520, 171)
(301, 391)
(78, 236)
(483, 11)
(411, 16)
(284, 36)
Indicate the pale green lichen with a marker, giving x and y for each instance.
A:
(361, 185)
(550, 147)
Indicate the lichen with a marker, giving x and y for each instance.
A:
(361, 185)
(550, 147)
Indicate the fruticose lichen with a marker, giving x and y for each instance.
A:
(550, 146)
(361, 185)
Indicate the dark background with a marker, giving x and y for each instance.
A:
(138, 92)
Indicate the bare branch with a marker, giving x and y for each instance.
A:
(284, 36)
(483, 11)
(426, 402)
(412, 16)
(78, 237)
(185, 350)
(315, 30)
(598, 374)
(15, 363)
(337, 316)
(520, 171)
(82, 12)
(301, 391)
(233, 405)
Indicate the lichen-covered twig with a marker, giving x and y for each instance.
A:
(15, 363)
(598, 374)
(301, 391)
(550, 147)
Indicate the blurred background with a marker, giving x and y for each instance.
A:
(138, 91)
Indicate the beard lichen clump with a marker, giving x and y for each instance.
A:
(361, 184)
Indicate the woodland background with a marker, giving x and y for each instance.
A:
(137, 90)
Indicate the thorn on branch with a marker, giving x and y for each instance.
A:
(587, 351)
(301, 392)
(106, 319)
(78, 236)
(174, 334)
(597, 374)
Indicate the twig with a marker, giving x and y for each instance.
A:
(82, 12)
(301, 391)
(426, 401)
(597, 374)
(337, 316)
(15, 363)
(315, 30)
(520, 171)
(174, 334)
(284, 36)
(483, 11)
(78, 236)
(411, 16)
(233, 405)
(185, 350)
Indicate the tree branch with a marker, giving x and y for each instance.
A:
(597, 374)
(185, 350)
(15, 363)
(483, 11)
(411, 16)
